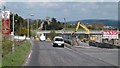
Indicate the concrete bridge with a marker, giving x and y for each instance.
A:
(97, 34)
(69, 32)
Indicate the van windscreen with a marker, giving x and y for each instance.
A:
(58, 39)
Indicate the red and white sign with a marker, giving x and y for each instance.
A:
(110, 34)
(6, 23)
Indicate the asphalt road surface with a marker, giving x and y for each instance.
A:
(43, 54)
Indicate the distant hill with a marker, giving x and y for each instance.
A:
(106, 22)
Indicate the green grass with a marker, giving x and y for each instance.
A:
(0, 45)
(0, 61)
(17, 59)
(6, 46)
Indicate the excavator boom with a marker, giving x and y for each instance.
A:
(83, 26)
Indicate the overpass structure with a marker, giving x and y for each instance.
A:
(97, 34)
(69, 32)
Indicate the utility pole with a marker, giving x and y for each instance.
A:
(64, 26)
(37, 24)
(28, 24)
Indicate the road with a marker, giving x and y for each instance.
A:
(43, 54)
(107, 55)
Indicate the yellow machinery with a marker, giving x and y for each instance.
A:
(87, 32)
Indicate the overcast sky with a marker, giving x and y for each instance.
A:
(70, 10)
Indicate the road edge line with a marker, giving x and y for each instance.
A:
(30, 50)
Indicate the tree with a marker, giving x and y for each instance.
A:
(51, 35)
(59, 22)
(45, 25)
(22, 31)
(54, 20)
(54, 25)
(39, 22)
(97, 25)
(19, 22)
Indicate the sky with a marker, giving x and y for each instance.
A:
(71, 10)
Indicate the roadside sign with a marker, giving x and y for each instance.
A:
(6, 23)
(110, 34)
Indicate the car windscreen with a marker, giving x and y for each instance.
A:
(58, 39)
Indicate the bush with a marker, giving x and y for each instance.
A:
(22, 31)
(6, 46)
(33, 33)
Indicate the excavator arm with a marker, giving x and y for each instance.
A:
(83, 26)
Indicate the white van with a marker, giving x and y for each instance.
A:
(42, 37)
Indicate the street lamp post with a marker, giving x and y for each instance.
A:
(37, 24)
(29, 24)
(28, 27)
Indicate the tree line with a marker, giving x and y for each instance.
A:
(22, 29)
(21, 24)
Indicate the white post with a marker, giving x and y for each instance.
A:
(13, 36)
(45, 31)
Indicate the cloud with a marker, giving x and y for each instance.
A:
(41, 4)
(2, 2)
(65, 10)
(70, 10)
(62, 0)
(48, 4)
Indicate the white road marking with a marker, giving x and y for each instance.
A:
(72, 50)
(28, 58)
(30, 54)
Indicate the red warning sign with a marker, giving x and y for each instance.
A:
(6, 23)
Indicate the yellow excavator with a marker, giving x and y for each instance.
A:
(86, 30)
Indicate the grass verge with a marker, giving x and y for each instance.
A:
(17, 59)
(0, 43)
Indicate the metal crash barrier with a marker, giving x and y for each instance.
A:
(102, 45)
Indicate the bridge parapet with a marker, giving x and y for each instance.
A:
(69, 32)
